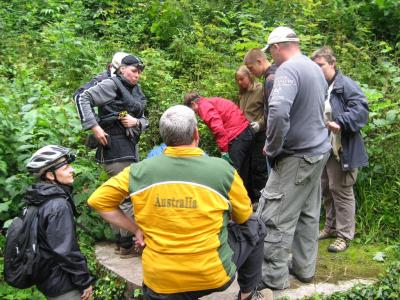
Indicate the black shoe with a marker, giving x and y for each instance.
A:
(265, 294)
(301, 279)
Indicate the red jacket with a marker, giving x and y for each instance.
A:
(224, 119)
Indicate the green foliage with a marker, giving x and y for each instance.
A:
(170, 18)
(108, 285)
(9, 293)
(387, 288)
(194, 45)
(137, 293)
(49, 48)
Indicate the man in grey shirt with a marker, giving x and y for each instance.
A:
(297, 148)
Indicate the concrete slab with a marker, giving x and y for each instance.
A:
(131, 270)
(321, 287)
(128, 268)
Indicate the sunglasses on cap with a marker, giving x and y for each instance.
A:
(135, 61)
(69, 158)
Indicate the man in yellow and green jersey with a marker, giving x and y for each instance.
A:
(192, 213)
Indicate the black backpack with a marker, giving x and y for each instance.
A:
(21, 254)
(98, 78)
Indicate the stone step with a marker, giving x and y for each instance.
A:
(130, 269)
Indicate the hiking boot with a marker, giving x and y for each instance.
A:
(130, 252)
(339, 245)
(117, 249)
(265, 294)
(326, 234)
(300, 278)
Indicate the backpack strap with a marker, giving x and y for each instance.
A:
(131, 104)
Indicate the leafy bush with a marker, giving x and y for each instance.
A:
(50, 48)
(387, 287)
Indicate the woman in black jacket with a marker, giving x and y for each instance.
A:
(346, 112)
(63, 269)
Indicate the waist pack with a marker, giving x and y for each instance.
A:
(21, 255)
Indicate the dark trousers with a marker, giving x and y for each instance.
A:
(123, 237)
(240, 153)
(247, 243)
(258, 165)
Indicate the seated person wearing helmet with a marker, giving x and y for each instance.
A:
(63, 269)
(117, 127)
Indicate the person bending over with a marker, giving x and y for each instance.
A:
(231, 129)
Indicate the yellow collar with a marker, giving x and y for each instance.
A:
(183, 151)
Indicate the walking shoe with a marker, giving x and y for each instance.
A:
(300, 278)
(325, 234)
(265, 294)
(339, 245)
(130, 252)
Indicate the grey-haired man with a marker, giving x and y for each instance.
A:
(297, 147)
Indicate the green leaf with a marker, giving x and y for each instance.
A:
(380, 122)
(4, 206)
(379, 256)
(7, 223)
(391, 115)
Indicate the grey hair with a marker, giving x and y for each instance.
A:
(177, 125)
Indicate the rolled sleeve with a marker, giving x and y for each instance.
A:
(240, 201)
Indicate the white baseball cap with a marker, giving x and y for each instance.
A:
(281, 34)
(122, 58)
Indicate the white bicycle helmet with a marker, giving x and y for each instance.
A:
(47, 157)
